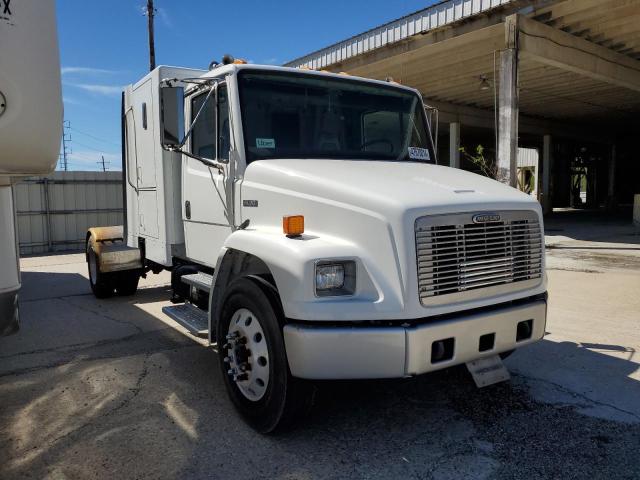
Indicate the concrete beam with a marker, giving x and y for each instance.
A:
(556, 48)
(485, 118)
(454, 145)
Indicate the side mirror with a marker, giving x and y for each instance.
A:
(172, 116)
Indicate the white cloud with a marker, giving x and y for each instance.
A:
(106, 90)
(164, 16)
(86, 71)
(71, 101)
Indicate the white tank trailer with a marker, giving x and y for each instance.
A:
(30, 123)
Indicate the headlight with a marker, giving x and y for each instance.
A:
(335, 278)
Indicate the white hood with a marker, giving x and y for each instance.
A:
(365, 210)
(378, 185)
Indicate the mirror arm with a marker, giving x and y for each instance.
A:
(218, 164)
(195, 120)
(207, 161)
(433, 112)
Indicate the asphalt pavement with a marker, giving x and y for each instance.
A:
(113, 389)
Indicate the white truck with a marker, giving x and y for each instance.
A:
(30, 124)
(311, 235)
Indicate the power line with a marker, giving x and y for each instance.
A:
(94, 137)
(89, 147)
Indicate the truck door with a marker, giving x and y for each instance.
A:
(144, 144)
(204, 188)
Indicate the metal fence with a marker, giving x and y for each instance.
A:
(54, 212)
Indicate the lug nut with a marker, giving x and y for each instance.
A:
(226, 359)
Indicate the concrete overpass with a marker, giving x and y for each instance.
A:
(562, 76)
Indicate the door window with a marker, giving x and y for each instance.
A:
(203, 136)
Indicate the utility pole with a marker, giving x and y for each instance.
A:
(103, 164)
(66, 148)
(152, 49)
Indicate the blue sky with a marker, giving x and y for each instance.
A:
(103, 46)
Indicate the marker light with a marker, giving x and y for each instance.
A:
(293, 225)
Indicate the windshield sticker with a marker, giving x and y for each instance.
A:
(417, 153)
(265, 143)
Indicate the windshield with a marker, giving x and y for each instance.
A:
(289, 115)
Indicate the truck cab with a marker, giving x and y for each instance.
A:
(312, 235)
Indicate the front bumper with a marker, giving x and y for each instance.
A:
(317, 352)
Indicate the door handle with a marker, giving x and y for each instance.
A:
(187, 209)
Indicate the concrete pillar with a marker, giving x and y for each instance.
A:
(454, 145)
(507, 159)
(547, 204)
(611, 187)
(508, 118)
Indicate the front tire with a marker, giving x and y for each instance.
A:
(253, 360)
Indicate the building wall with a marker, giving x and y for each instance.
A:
(54, 212)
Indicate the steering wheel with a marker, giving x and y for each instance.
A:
(375, 141)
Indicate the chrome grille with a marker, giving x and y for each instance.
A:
(456, 256)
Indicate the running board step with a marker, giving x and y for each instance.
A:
(201, 281)
(190, 317)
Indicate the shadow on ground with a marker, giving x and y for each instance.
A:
(594, 226)
(105, 389)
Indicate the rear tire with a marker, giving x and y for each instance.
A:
(127, 282)
(101, 283)
(264, 393)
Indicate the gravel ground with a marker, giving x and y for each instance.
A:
(112, 389)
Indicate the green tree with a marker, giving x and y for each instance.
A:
(487, 166)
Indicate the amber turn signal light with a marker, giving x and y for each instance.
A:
(293, 225)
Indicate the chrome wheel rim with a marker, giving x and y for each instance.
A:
(247, 355)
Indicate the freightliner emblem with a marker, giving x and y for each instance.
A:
(485, 218)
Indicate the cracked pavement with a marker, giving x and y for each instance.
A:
(113, 389)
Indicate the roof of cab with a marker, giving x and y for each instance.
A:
(223, 70)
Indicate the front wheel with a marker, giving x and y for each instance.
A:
(253, 360)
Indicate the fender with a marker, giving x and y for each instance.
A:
(113, 254)
(291, 263)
